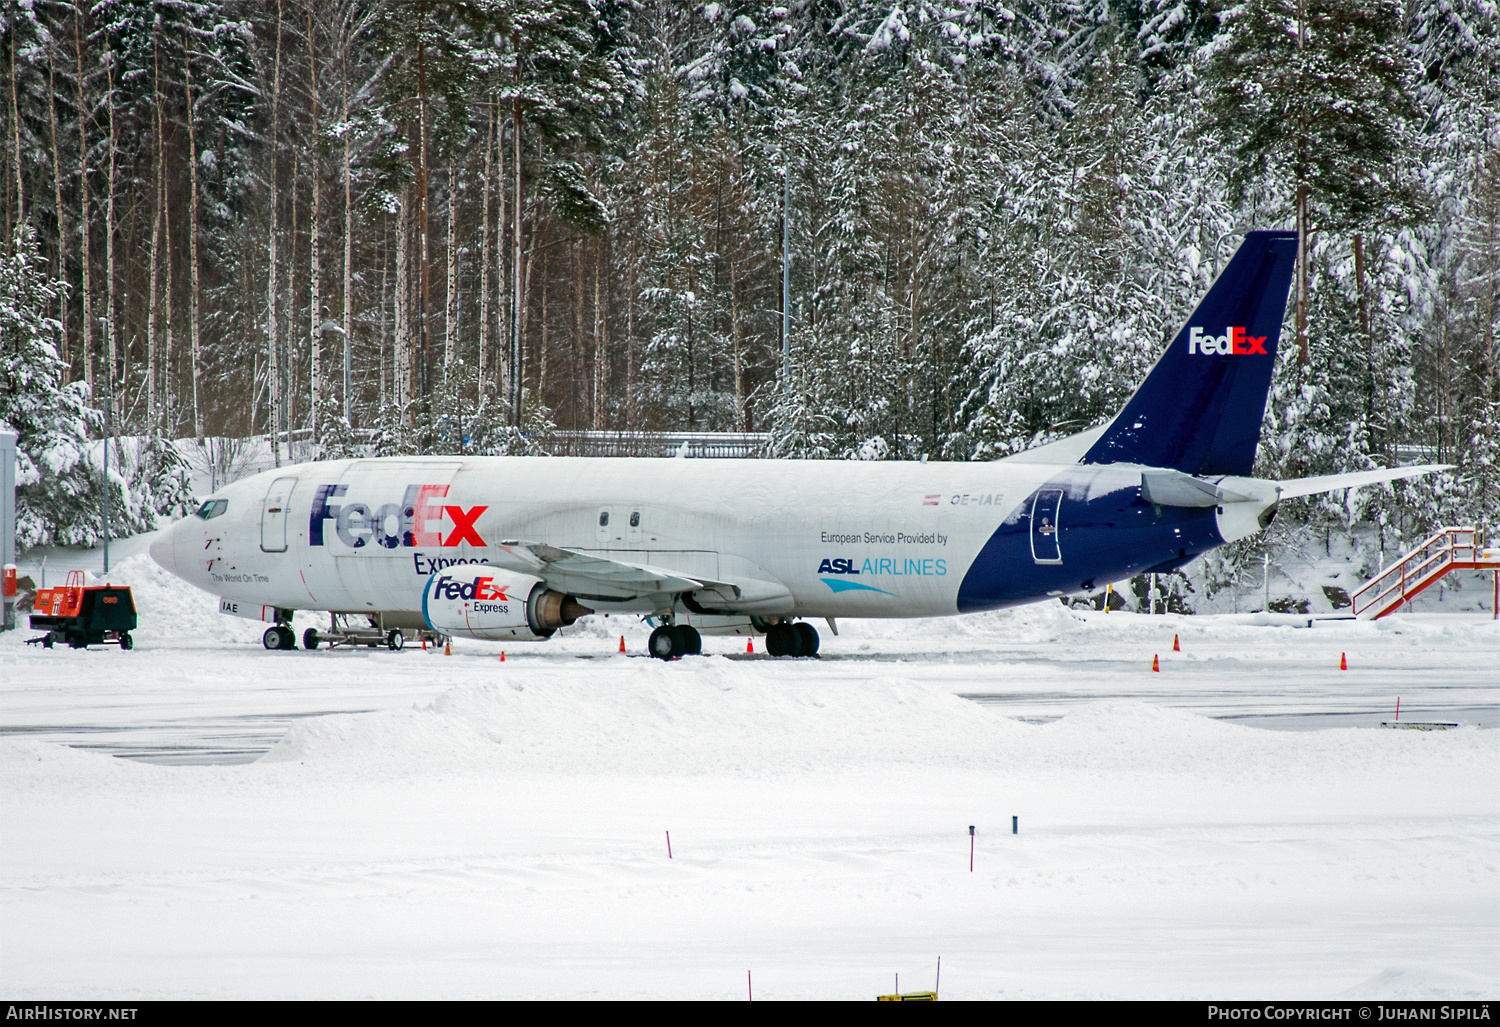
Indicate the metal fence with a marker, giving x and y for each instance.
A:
(702, 444)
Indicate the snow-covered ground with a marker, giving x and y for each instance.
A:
(422, 825)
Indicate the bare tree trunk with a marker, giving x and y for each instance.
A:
(737, 333)
(349, 250)
(385, 270)
(116, 373)
(315, 265)
(289, 393)
(601, 360)
(450, 275)
(193, 324)
(15, 122)
(541, 376)
(87, 335)
(484, 254)
(152, 412)
(1304, 359)
(630, 412)
(580, 383)
(424, 227)
(402, 349)
(62, 232)
(273, 365)
(518, 297)
(505, 367)
(168, 393)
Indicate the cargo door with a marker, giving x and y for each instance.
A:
(273, 515)
(1044, 528)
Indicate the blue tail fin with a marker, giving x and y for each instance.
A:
(1200, 408)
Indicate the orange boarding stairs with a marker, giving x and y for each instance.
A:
(1448, 549)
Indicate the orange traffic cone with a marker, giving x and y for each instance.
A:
(1176, 645)
(1343, 662)
(1155, 664)
(750, 644)
(447, 649)
(622, 643)
(502, 655)
(424, 643)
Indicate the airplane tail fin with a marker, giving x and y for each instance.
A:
(1200, 409)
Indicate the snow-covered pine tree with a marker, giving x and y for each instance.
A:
(58, 490)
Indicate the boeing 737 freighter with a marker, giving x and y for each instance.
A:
(517, 547)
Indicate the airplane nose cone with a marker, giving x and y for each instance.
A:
(163, 550)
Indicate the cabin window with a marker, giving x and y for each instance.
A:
(603, 518)
(212, 508)
(635, 518)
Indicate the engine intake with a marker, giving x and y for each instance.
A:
(476, 601)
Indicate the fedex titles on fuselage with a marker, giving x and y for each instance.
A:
(418, 520)
(1233, 343)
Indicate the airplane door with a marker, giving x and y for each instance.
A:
(273, 515)
(609, 526)
(1044, 511)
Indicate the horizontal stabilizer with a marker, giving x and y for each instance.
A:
(1352, 479)
(1173, 488)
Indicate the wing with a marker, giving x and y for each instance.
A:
(592, 576)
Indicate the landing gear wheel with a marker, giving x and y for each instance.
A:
(272, 638)
(807, 635)
(394, 639)
(310, 638)
(782, 640)
(692, 642)
(665, 643)
(288, 638)
(126, 642)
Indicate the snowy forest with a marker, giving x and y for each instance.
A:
(511, 216)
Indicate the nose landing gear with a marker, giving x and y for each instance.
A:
(279, 637)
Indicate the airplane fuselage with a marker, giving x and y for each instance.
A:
(831, 538)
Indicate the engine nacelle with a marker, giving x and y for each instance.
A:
(475, 601)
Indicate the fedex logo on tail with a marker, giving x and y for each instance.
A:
(415, 521)
(1233, 343)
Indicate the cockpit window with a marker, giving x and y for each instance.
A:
(212, 508)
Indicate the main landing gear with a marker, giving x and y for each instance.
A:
(673, 640)
(799, 639)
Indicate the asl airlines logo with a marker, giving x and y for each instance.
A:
(415, 521)
(1233, 343)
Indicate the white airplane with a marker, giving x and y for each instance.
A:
(517, 547)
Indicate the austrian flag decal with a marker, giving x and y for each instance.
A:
(1233, 343)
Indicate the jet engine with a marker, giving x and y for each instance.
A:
(475, 601)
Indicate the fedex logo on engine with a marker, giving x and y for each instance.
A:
(1233, 343)
(481, 589)
(415, 521)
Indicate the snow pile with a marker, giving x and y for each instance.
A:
(723, 717)
(694, 717)
(171, 610)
